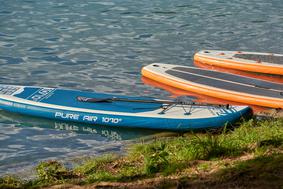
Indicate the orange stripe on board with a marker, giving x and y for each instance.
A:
(247, 66)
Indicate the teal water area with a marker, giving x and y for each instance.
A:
(101, 46)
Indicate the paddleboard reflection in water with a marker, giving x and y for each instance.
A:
(116, 134)
(27, 140)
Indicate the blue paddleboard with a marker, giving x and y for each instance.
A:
(113, 110)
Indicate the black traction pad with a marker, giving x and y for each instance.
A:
(261, 58)
(209, 78)
(233, 78)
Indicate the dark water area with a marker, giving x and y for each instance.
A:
(102, 46)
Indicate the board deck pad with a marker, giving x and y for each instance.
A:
(225, 85)
(258, 83)
(261, 58)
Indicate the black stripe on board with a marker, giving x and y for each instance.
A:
(261, 58)
(233, 78)
(224, 85)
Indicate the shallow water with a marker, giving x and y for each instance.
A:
(101, 46)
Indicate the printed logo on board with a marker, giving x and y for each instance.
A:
(87, 118)
(41, 94)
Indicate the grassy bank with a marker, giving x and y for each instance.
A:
(250, 155)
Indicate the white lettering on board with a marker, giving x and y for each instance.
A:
(42, 93)
(90, 118)
(111, 120)
(67, 115)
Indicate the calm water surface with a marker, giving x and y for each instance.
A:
(101, 46)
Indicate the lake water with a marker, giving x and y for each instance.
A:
(102, 46)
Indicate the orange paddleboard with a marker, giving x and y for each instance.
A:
(199, 97)
(220, 85)
(248, 61)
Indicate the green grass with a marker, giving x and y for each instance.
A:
(10, 182)
(92, 165)
(167, 156)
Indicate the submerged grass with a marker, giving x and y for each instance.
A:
(172, 156)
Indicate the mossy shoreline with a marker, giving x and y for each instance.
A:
(248, 156)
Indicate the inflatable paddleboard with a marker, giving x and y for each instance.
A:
(248, 61)
(115, 111)
(218, 84)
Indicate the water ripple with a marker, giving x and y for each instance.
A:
(11, 60)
